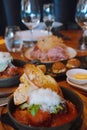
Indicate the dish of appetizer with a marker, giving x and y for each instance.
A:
(10, 70)
(77, 75)
(50, 49)
(40, 103)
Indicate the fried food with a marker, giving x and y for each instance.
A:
(42, 67)
(46, 43)
(72, 63)
(58, 67)
(32, 79)
(40, 79)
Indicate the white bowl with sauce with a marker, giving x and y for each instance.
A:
(78, 76)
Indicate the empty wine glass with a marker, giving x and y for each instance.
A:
(30, 15)
(48, 16)
(13, 40)
(81, 19)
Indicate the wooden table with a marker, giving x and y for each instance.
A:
(74, 36)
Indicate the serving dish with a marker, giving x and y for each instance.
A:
(72, 53)
(14, 80)
(69, 95)
(77, 76)
(61, 75)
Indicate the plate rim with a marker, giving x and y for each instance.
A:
(81, 87)
(35, 37)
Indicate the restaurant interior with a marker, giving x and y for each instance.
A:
(43, 66)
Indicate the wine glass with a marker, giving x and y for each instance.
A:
(13, 40)
(30, 15)
(81, 19)
(48, 16)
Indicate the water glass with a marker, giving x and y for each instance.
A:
(13, 40)
(48, 16)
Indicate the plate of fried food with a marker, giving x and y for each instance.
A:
(10, 70)
(40, 103)
(50, 49)
(58, 69)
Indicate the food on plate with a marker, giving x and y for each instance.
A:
(7, 69)
(77, 76)
(49, 48)
(47, 43)
(39, 100)
(42, 67)
(5, 60)
(73, 63)
(58, 67)
(33, 77)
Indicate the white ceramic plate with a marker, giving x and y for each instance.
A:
(72, 53)
(82, 87)
(39, 31)
(27, 36)
(70, 75)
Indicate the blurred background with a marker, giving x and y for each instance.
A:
(64, 12)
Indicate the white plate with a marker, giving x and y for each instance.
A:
(72, 53)
(82, 87)
(70, 75)
(27, 36)
(39, 31)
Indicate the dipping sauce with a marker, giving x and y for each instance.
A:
(80, 76)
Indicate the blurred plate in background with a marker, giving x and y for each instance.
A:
(14, 80)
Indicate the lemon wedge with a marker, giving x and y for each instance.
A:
(80, 76)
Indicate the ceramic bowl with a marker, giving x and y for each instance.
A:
(78, 76)
(69, 95)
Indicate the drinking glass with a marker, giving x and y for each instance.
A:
(48, 16)
(81, 19)
(30, 15)
(13, 40)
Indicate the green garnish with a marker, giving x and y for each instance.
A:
(33, 109)
(57, 109)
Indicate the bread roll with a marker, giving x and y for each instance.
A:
(72, 63)
(58, 67)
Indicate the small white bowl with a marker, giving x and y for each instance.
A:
(80, 72)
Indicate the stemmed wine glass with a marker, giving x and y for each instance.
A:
(48, 16)
(30, 15)
(81, 19)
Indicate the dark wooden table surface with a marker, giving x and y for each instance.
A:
(74, 36)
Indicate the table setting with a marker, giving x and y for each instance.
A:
(61, 81)
(48, 74)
